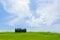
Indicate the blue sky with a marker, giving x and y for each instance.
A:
(34, 15)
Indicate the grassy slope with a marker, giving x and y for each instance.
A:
(29, 36)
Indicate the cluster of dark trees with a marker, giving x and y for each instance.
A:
(20, 30)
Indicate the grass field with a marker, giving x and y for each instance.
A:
(29, 36)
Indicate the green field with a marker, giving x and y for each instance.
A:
(29, 36)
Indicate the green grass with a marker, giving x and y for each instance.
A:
(29, 36)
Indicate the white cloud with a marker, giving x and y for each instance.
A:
(19, 8)
(48, 13)
(12, 6)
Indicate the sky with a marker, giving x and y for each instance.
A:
(34, 15)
